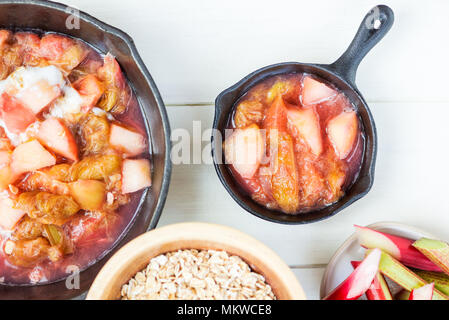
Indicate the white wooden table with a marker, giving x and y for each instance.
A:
(195, 49)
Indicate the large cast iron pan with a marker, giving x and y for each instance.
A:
(341, 73)
(51, 16)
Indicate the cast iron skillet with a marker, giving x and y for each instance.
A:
(51, 16)
(341, 73)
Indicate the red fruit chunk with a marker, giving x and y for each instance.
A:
(244, 149)
(308, 126)
(89, 194)
(132, 143)
(360, 279)
(39, 96)
(400, 248)
(315, 92)
(14, 115)
(53, 46)
(54, 134)
(9, 216)
(27, 39)
(378, 289)
(342, 132)
(136, 175)
(422, 293)
(31, 156)
(91, 89)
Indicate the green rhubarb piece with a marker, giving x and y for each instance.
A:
(397, 272)
(437, 252)
(441, 280)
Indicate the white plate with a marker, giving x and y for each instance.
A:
(339, 267)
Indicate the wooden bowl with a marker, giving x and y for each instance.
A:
(134, 257)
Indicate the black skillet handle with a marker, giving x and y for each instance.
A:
(373, 28)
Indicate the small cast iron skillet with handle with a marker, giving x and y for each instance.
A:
(39, 15)
(341, 74)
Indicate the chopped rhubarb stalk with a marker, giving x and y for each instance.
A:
(15, 116)
(308, 126)
(360, 279)
(9, 216)
(436, 251)
(31, 156)
(342, 132)
(315, 92)
(378, 289)
(55, 135)
(440, 279)
(131, 142)
(422, 293)
(90, 89)
(39, 96)
(400, 248)
(403, 276)
(244, 150)
(90, 194)
(136, 175)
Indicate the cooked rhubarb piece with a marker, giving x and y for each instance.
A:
(55, 135)
(284, 182)
(400, 248)
(440, 279)
(91, 89)
(315, 92)
(39, 95)
(116, 94)
(47, 208)
(132, 143)
(308, 126)
(360, 279)
(31, 156)
(403, 276)
(436, 251)
(15, 116)
(422, 293)
(26, 253)
(136, 175)
(96, 167)
(248, 113)
(9, 216)
(95, 133)
(43, 181)
(342, 131)
(89, 194)
(244, 150)
(288, 89)
(378, 289)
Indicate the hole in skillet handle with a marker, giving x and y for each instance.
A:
(341, 73)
